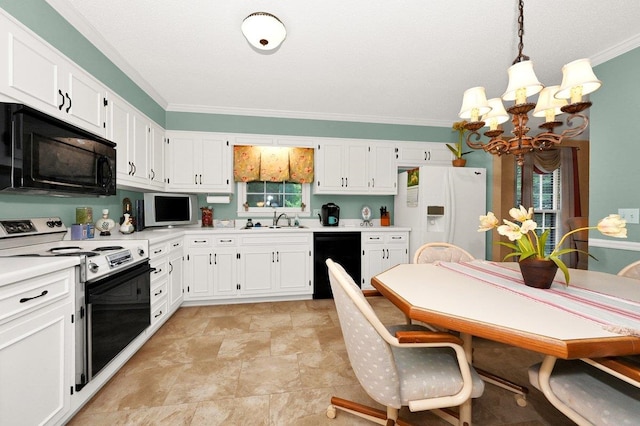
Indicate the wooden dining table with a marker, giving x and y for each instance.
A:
(597, 315)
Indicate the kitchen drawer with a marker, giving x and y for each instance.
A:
(161, 267)
(158, 250)
(226, 241)
(199, 241)
(31, 294)
(159, 312)
(158, 292)
(176, 244)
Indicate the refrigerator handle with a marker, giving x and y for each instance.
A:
(451, 206)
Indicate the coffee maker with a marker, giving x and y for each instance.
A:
(330, 214)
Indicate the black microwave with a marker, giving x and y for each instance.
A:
(40, 154)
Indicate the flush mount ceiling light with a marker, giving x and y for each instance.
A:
(263, 30)
(578, 79)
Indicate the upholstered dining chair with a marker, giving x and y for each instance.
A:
(591, 392)
(440, 251)
(632, 270)
(446, 252)
(403, 365)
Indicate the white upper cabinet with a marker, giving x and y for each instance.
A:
(156, 156)
(199, 162)
(416, 154)
(37, 75)
(139, 146)
(383, 173)
(346, 166)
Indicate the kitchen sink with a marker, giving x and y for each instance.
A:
(258, 228)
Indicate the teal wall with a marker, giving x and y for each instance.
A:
(615, 150)
(15, 206)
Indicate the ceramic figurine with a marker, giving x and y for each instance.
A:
(104, 224)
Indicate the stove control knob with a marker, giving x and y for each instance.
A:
(58, 223)
(93, 267)
(50, 223)
(140, 252)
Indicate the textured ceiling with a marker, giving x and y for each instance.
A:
(405, 62)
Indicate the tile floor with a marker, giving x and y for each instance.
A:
(275, 364)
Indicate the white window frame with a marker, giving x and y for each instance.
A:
(268, 211)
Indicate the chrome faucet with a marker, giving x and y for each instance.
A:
(275, 220)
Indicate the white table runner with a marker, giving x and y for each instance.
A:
(614, 314)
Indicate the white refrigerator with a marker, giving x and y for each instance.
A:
(442, 204)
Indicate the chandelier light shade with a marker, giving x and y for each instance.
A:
(474, 104)
(263, 30)
(522, 82)
(578, 80)
(548, 105)
(497, 115)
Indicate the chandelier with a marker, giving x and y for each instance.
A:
(578, 80)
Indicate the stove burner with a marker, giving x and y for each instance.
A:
(108, 248)
(78, 253)
(70, 249)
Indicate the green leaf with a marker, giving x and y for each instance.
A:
(455, 150)
(562, 267)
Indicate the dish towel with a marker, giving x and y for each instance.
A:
(617, 315)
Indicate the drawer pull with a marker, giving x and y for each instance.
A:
(226, 241)
(26, 299)
(199, 241)
(158, 314)
(158, 293)
(157, 251)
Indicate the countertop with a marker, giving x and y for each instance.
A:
(16, 269)
(158, 235)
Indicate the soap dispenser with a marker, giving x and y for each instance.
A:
(296, 221)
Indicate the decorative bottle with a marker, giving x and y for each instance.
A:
(127, 226)
(104, 224)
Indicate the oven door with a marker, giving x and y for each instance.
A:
(118, 310)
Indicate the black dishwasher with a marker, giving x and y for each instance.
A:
(342, 248)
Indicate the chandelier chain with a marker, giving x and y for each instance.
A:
(521, 57)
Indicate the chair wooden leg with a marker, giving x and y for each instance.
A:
(360, 410)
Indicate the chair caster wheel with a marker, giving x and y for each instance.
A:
(521, 400)
(331, 412)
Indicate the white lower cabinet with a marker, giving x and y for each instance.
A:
(176, 272)
(241, 265)
(36, 350)
(283, 268)
(158, 261)
(198, 274)
(166, 280)
(381, 251)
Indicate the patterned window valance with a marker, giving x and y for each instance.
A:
(274, 164)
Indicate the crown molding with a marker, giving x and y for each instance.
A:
(617, 50)
(203, 109)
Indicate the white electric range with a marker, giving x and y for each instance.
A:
(112, 286)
